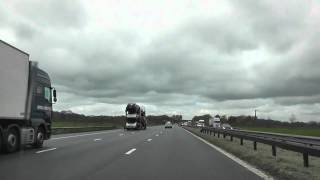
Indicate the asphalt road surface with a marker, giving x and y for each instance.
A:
(155, 153)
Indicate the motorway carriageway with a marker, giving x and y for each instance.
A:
(152, 154)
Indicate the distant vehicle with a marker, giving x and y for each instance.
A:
(215, 122)
(26, 99)
(227, 126)
(200, 123)
(184, 124)
(135, 117)
(168, 124)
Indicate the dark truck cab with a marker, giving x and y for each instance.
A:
(43, 97)
(26, 98)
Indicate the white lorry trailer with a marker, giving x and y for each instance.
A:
(215, 122)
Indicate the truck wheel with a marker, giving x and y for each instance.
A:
(12, 141)
(39, 138)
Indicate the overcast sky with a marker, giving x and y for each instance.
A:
(187, 57)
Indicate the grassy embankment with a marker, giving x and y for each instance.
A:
(59, 124)
(286, 165)
(62, 127)
(293, 131)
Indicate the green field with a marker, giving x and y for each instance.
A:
(294, 131)
(79, 124)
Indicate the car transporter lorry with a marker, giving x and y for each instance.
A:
(135, 117)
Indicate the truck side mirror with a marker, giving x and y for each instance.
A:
(54, 92)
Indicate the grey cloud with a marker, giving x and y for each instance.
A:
(197, 64)
(295, 100)
(226, 36)
(277, 26)
(24, 31)
(294, 75)
(52, 13)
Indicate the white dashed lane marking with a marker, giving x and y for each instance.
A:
(46, 150)
(130, 151)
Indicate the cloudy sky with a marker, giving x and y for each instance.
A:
(185, 57)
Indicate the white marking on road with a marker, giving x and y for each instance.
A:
(234, 158)
(132, 132)
(131, 151)
(149, 140)
(80, 135)
(121, 134)
(157, 134)
(97, 139)
(46, 150)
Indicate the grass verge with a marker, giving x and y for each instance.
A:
(57, 124)
(64, 130)
(286, 165)
(62, 127)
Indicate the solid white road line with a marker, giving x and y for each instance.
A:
(157, 134)
(131, 151)
(46, 150)
(234, 158)
(97, 139)
(149, 140)
(80, 135)
(121, 134)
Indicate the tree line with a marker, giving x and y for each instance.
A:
(68, 116)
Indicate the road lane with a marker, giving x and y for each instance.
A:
(74, 157)
(173, 154)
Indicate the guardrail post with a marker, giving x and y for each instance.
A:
(241, 141)
(214, 133)
(218, 134)
(305, 160)
(255, 145)
(274, 151)
(224, 135)
(231, 138)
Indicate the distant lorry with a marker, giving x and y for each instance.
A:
(200, 123)
(26, 99)
(215, 122)
(135, 117)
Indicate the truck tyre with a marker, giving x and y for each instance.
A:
(12, 142)
(39, 138)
